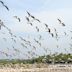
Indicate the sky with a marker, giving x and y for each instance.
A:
(47, 11)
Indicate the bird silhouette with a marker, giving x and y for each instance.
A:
(27, 18)
(28, 13)
(31, 24)
(38, 20)
(63, 24)
(59, 21)
(33, 17)
(0, 27)
(52, 34)
(1, 24)
(17, 18)
(37, 29)
(2, 2)
(46, 25)
(6, 7)
(49, 30)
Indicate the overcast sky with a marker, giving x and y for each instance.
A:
(47, 11)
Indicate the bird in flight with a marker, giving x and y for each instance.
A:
(0, 27)
(31, 24)
(46, 25)
(37, 28)
(59, 21)
(38, 20)
(33, 17)
(1, 24)
(2, 2)
(28, 13)
(27, 19)
(52, 34)
(4, 5)
(17, 18)
(63, 24)
(49, 30)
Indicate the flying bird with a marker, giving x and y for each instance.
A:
(17, 18)
(49, 30)
(46, 25)
(59, 21)
(63, 24)
(27, 19)
(2, 2)
(37, 28)
(28, 13)
(0, 27)
(33, 17)
(6, 7)
(31, 24)
(1, 24)
(65, 33)
(52, 34)
(38, 20)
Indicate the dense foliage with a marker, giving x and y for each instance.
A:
(56, 59)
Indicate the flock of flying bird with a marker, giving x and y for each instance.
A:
(25, 43)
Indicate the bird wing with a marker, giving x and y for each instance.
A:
(6, 7)
(2, 2)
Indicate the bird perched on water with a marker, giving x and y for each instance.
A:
(17, 18)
